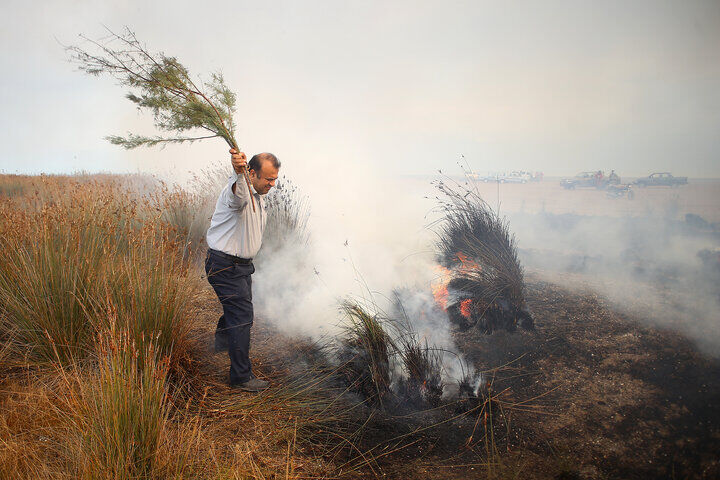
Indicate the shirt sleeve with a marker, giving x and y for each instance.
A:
(241, 197)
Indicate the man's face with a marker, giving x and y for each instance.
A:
(264, 180)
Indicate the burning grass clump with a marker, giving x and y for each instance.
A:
(483, 286)
(383, 360)
(422, 364)
(364, 354)
(471, 391)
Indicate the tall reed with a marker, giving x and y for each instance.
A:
(123, 409)
(68, 261)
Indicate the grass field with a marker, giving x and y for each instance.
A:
(106, 367)
(101, 357)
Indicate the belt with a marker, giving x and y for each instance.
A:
(233, 258)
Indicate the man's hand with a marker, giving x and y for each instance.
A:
(238, 159)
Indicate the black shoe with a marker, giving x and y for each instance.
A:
(252, 385)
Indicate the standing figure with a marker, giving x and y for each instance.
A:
(614, 178)
(234, 238)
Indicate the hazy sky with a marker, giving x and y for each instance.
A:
(389, 87)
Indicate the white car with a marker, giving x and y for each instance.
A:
(515, 177)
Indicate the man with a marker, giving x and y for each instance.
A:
(234, 238)
(614, 178)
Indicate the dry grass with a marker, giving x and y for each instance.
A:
(288, 214)
(68, 261)
(102, 369)
(98, 351)
(117, 417)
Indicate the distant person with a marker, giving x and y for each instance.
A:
(613, 178)
(598, 178)
(234, 238)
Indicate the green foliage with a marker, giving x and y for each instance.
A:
(163, 86)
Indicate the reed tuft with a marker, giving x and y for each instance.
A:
(364, 354)
(476, 244)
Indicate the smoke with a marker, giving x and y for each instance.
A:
(419, 309)
(656, 267)
(362, 244)
(368, 242)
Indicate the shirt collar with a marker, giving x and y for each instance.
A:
(260, 199)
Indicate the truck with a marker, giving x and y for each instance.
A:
(661, 179)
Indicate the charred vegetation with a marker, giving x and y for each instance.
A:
(423, 386)
(485, 287)
(383, 361)
(364, 354)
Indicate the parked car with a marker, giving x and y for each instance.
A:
(619, 191)
(490, 177)
(661, 179)
(515, 177)
(536, 176)
(585, 179)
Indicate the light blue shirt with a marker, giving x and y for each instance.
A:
(235, 229)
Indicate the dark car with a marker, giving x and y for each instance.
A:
(660, 179)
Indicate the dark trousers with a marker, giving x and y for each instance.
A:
(233, 285)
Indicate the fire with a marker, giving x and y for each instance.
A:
(439, 287)
(465, 307)
(466, 265)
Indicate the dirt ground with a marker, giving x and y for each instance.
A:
(591, 394)
(618, 400)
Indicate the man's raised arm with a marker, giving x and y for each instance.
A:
(236, 196)
(239, 162)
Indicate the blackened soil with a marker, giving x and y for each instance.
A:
(591, 394)
(609, 397)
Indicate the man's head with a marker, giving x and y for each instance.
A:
(263, 169)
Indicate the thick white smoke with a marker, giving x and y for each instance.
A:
(367, 244)
(369, 239)
(650, 266)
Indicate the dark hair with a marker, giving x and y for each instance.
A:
(257, 160)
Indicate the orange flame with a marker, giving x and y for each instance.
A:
(439, 287)
(465, 307)
(466, 265)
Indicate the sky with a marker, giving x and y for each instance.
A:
(390, 88)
